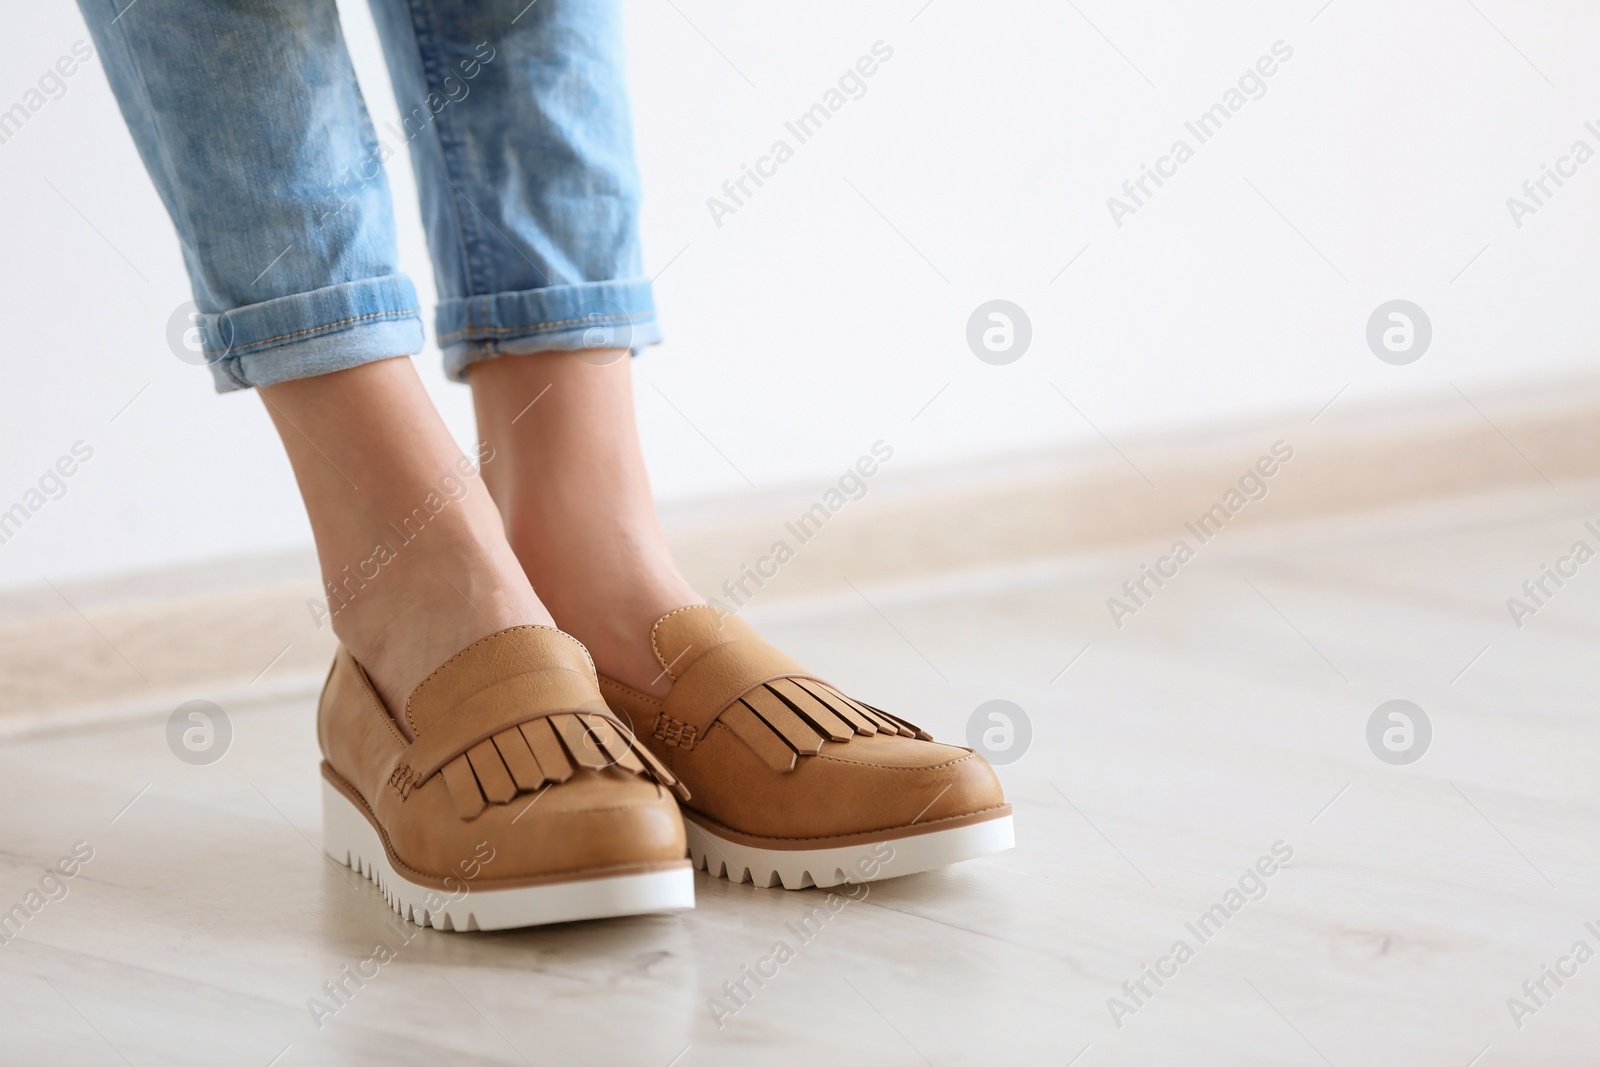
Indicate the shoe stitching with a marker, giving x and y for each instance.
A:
(856, 833)
(859, 763)
(373, 703)
(403, 781)
(629, 691)
(615, 807)
(482, 640)
(656, 648)
(887, 767)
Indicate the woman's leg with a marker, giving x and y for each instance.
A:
(570, 479)
(519, 128)
(248, 118)
(522, 148)
(414, 560)
(445, 720)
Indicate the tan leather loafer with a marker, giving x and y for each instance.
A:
(508, 795)
(791, 781)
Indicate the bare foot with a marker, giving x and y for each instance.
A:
(415, 564)
(569, 478)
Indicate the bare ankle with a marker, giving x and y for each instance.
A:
(610, 600)
(401, 632)
(569, 476)
(413, 554)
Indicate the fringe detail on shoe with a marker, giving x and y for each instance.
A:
(785, 719)
(546, 751)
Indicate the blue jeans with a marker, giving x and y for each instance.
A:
(250, 122)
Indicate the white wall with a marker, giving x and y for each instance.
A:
(804, 327)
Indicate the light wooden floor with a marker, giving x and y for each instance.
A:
(1228, 715)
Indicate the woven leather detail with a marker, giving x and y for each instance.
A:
(675, 732)
(404, 780)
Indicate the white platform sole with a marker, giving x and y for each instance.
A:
(350, 839)
(826, 867)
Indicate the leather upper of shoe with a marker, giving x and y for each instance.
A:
(770, 750)
(510, 744)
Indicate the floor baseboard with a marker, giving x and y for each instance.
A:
(236, 631)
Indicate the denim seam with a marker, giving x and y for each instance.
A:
(422, 29)
(325, 327)
(153, 116)
(451, 337)
(369, 133)
(230, 364)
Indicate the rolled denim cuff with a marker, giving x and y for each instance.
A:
(307, 334)
(556, 318)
